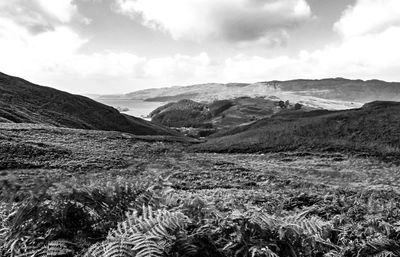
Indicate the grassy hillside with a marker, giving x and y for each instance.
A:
(185, 113)
(373, 130)
(242, 110)
(218, 114)
(22, 101)
(37, 146)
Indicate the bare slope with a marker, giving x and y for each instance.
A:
(24, 102)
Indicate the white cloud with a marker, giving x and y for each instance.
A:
(35, 39)
(231, 20)
(62, 10)
(366, 57)
(52, 56)
(123, 64)
(369, 16)
(34, 13)
(22, 51)
(181, 66)
(368, 49)
(110, 64)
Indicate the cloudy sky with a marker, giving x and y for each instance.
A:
(117, 46)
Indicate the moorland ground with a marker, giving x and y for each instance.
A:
(285, 203)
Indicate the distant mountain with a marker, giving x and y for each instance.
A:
(373, 129)
(336, 93)
(24, 102)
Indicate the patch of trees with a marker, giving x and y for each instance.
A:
(286, 105)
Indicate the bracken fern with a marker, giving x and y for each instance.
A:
(152, 233)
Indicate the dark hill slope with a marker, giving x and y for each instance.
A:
(218, 114)
(373, 129)
(184, 113)
(24, 102)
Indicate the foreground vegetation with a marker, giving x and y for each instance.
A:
(86, 193)
(115, 218)
(120, 217)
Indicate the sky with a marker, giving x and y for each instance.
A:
(120, 46)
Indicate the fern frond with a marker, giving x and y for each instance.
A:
(28, 247)
(310, 226)
(118, 248)
(379, 225)
(59, 247)
(156, 224)
(298, 224)
(149, 234)
(145, 248)
(381, 245)
(266, 221)
(111, 248)
(262, 251)
(384, 254)
(184, 245)
(333, 253)
(381, 242)
(96, 250)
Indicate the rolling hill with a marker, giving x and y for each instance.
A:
(218, 114)
(373, 129)
(24, 102)
(184, 113)
(335, 93)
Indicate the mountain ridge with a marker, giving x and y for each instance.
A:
(329, 93)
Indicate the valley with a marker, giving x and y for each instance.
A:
(192, 128)
(266, 178)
